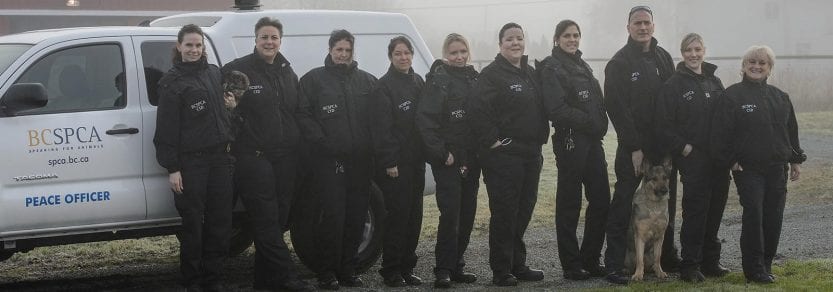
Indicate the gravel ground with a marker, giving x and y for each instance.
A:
(805, 235)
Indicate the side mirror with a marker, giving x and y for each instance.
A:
(23, 96)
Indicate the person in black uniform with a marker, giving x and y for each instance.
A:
(508, 120)
(575, 103)
(451, 150)
(266, 149)
(756, 135)
(685, 106)
(338, 96)
(633, 78)
(400, 164)
(192, 142)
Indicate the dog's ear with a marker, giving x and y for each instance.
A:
(666, 163)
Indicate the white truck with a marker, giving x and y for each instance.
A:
(78, 109)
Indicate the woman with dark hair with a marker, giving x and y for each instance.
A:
(400, 165)
(685, 109)
(510, 126)
(451, 150)
(192, 142)
(575, 105)
(755, 134)
(266, 149)
(338, 96)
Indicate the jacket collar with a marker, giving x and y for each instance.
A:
(191, 67)
(707, 68)
(561, 54)
(636, 48)
(754, 83)
(340, 68)
(396, 74)
(280, 61)
(503, 63)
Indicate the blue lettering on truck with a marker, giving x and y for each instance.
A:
(71, 198)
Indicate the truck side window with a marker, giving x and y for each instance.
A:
(156, 58)
(80, 79)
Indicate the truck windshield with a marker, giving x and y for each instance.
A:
(9, 53)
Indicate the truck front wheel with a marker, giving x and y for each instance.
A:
(306, 216)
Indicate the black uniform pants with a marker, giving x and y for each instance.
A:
(403, 223)
(762, 194)
(705, 190)
(342, 189)
(205, 208)
(583, 165)
(512, 183)
(619, 214)
(265, 186)
(457, 201)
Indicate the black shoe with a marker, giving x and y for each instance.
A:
(692, 276)
(463, 277)
(772, 276)
(395, 281)
(596, 270)
(671, 263)
(443, 280)
(506, 280)
(351, 281)
(617, 278)
(528, 274)
(328, 284)
(411, 279)
(213, 287)
(295, 285)
(576, 274)
(762, 278)
(715, 270)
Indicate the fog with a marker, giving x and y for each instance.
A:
(799, 31)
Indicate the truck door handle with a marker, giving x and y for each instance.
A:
(122, 131)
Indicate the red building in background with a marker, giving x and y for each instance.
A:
(24, 15)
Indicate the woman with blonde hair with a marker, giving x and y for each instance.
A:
(755, 134)
(451, 151)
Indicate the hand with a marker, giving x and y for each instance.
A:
(497, 143)
(636, 159)
(175, 179)
(450, 160)
(795, 171)
(737, 167)
(231, 102)
(687, 150)
(392, 172)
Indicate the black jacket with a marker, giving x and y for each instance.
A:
(337, 96)
(755, 126)
(441, 117)
(572, 95)
(393, 119)
(269, 112)
(507, 104)
(685, 108)
(191, 116)
(632, 81)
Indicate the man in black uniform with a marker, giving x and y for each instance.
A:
(633, 78)
(337, 95)
(267, 149)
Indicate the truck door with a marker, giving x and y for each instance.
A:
(77, 161)
(154, 59)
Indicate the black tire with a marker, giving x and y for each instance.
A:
(5, 255)
(306, 215)
(241, 234)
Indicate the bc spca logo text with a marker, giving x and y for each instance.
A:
(749, 108)
(63, 136)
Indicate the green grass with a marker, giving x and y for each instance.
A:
(792, 276)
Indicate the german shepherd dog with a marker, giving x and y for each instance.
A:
(649, 218)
